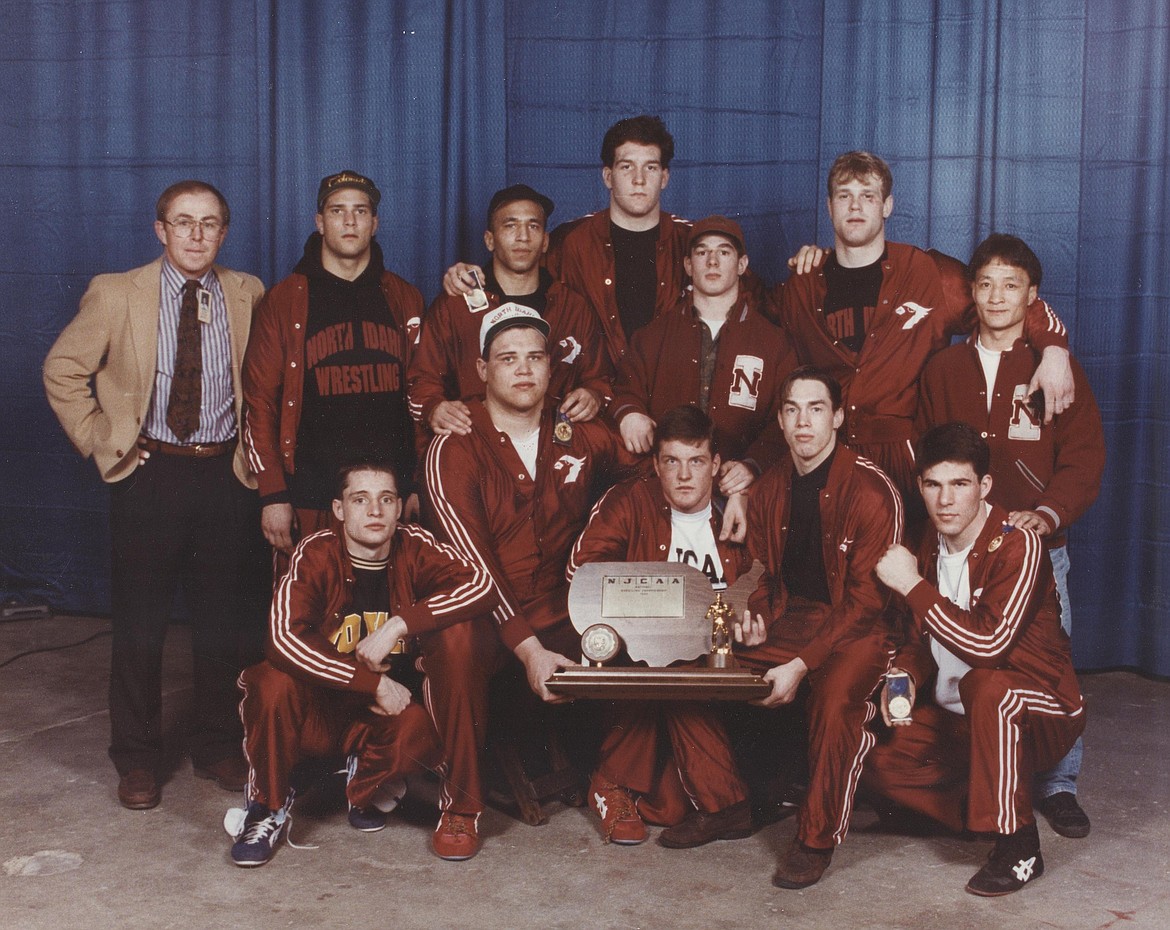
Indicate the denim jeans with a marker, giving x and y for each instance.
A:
(1063, 775)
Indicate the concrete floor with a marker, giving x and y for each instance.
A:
(71, 857)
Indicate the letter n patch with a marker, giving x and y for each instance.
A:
(1024, 423)
(745, 382)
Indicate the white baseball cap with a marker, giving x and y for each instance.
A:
(506, 316)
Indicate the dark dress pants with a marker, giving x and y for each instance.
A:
(189, 522)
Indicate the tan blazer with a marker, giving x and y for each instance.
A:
(99, 374)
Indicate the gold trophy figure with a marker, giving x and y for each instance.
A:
(718, 613)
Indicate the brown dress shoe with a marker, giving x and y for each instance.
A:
(231, 774)
(138, 790)
(731, 823)
(801, 866)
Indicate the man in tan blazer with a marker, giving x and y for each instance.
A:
(146, 379)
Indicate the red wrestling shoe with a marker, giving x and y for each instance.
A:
(456, 837)
(619, 818)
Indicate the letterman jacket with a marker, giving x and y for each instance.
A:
(274, 373)
(924, 300)
(1054, 469)
(661, 370)
(442, 366)
(584, 261)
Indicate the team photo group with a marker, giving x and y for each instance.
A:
(899, 438)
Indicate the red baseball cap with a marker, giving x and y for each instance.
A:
(718, 226)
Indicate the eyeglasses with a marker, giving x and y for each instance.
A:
(184, 228)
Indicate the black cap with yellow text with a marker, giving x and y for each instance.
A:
(343, 179)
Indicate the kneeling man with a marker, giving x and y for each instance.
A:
(986, 629)
(669, 516)
(338, 631)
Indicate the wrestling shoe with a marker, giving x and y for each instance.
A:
(620, 822)
(372, 817)
(1065, 815)
(456, 837)
(1014, 862)
(801, 866)
(700, 828)
(261, 830)
(367, 819)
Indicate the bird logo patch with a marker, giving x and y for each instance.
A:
(916, 313)
(574, 349)
(571, 466)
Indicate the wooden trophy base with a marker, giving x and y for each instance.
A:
(660, 684)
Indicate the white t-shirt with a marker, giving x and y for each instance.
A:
(526, 449)
(954, 583)
(692, 542)
(989, 359)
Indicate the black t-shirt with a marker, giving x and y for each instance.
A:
(370, 609)
(537, 300)
(371, 592)
(850, 300)
(803, 569)
(635, 257)
(354, 401)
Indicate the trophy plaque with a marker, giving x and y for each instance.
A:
(657, 613)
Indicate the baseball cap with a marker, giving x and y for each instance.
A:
(519, 192)
(720, 226)
(507, 316)
(347, 178)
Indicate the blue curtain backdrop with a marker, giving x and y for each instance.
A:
(1048, 119)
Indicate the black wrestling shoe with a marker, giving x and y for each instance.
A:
(1014, 862)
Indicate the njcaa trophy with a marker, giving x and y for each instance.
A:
(664, 628)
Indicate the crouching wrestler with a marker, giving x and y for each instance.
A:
(340, 626)
(512, 496)
(669, 516)
(986, 645)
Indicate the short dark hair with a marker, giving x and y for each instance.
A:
(812, 373)
(684, 424)
(646, 130)
(365, 463)
(178, 189)
(1011, 250)
(952, 442)
(517, 193)
(858, 165)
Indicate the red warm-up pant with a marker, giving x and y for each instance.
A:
(839, 708)
(985, 757)
(460, 662)
(700, 772)
(287, 719)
